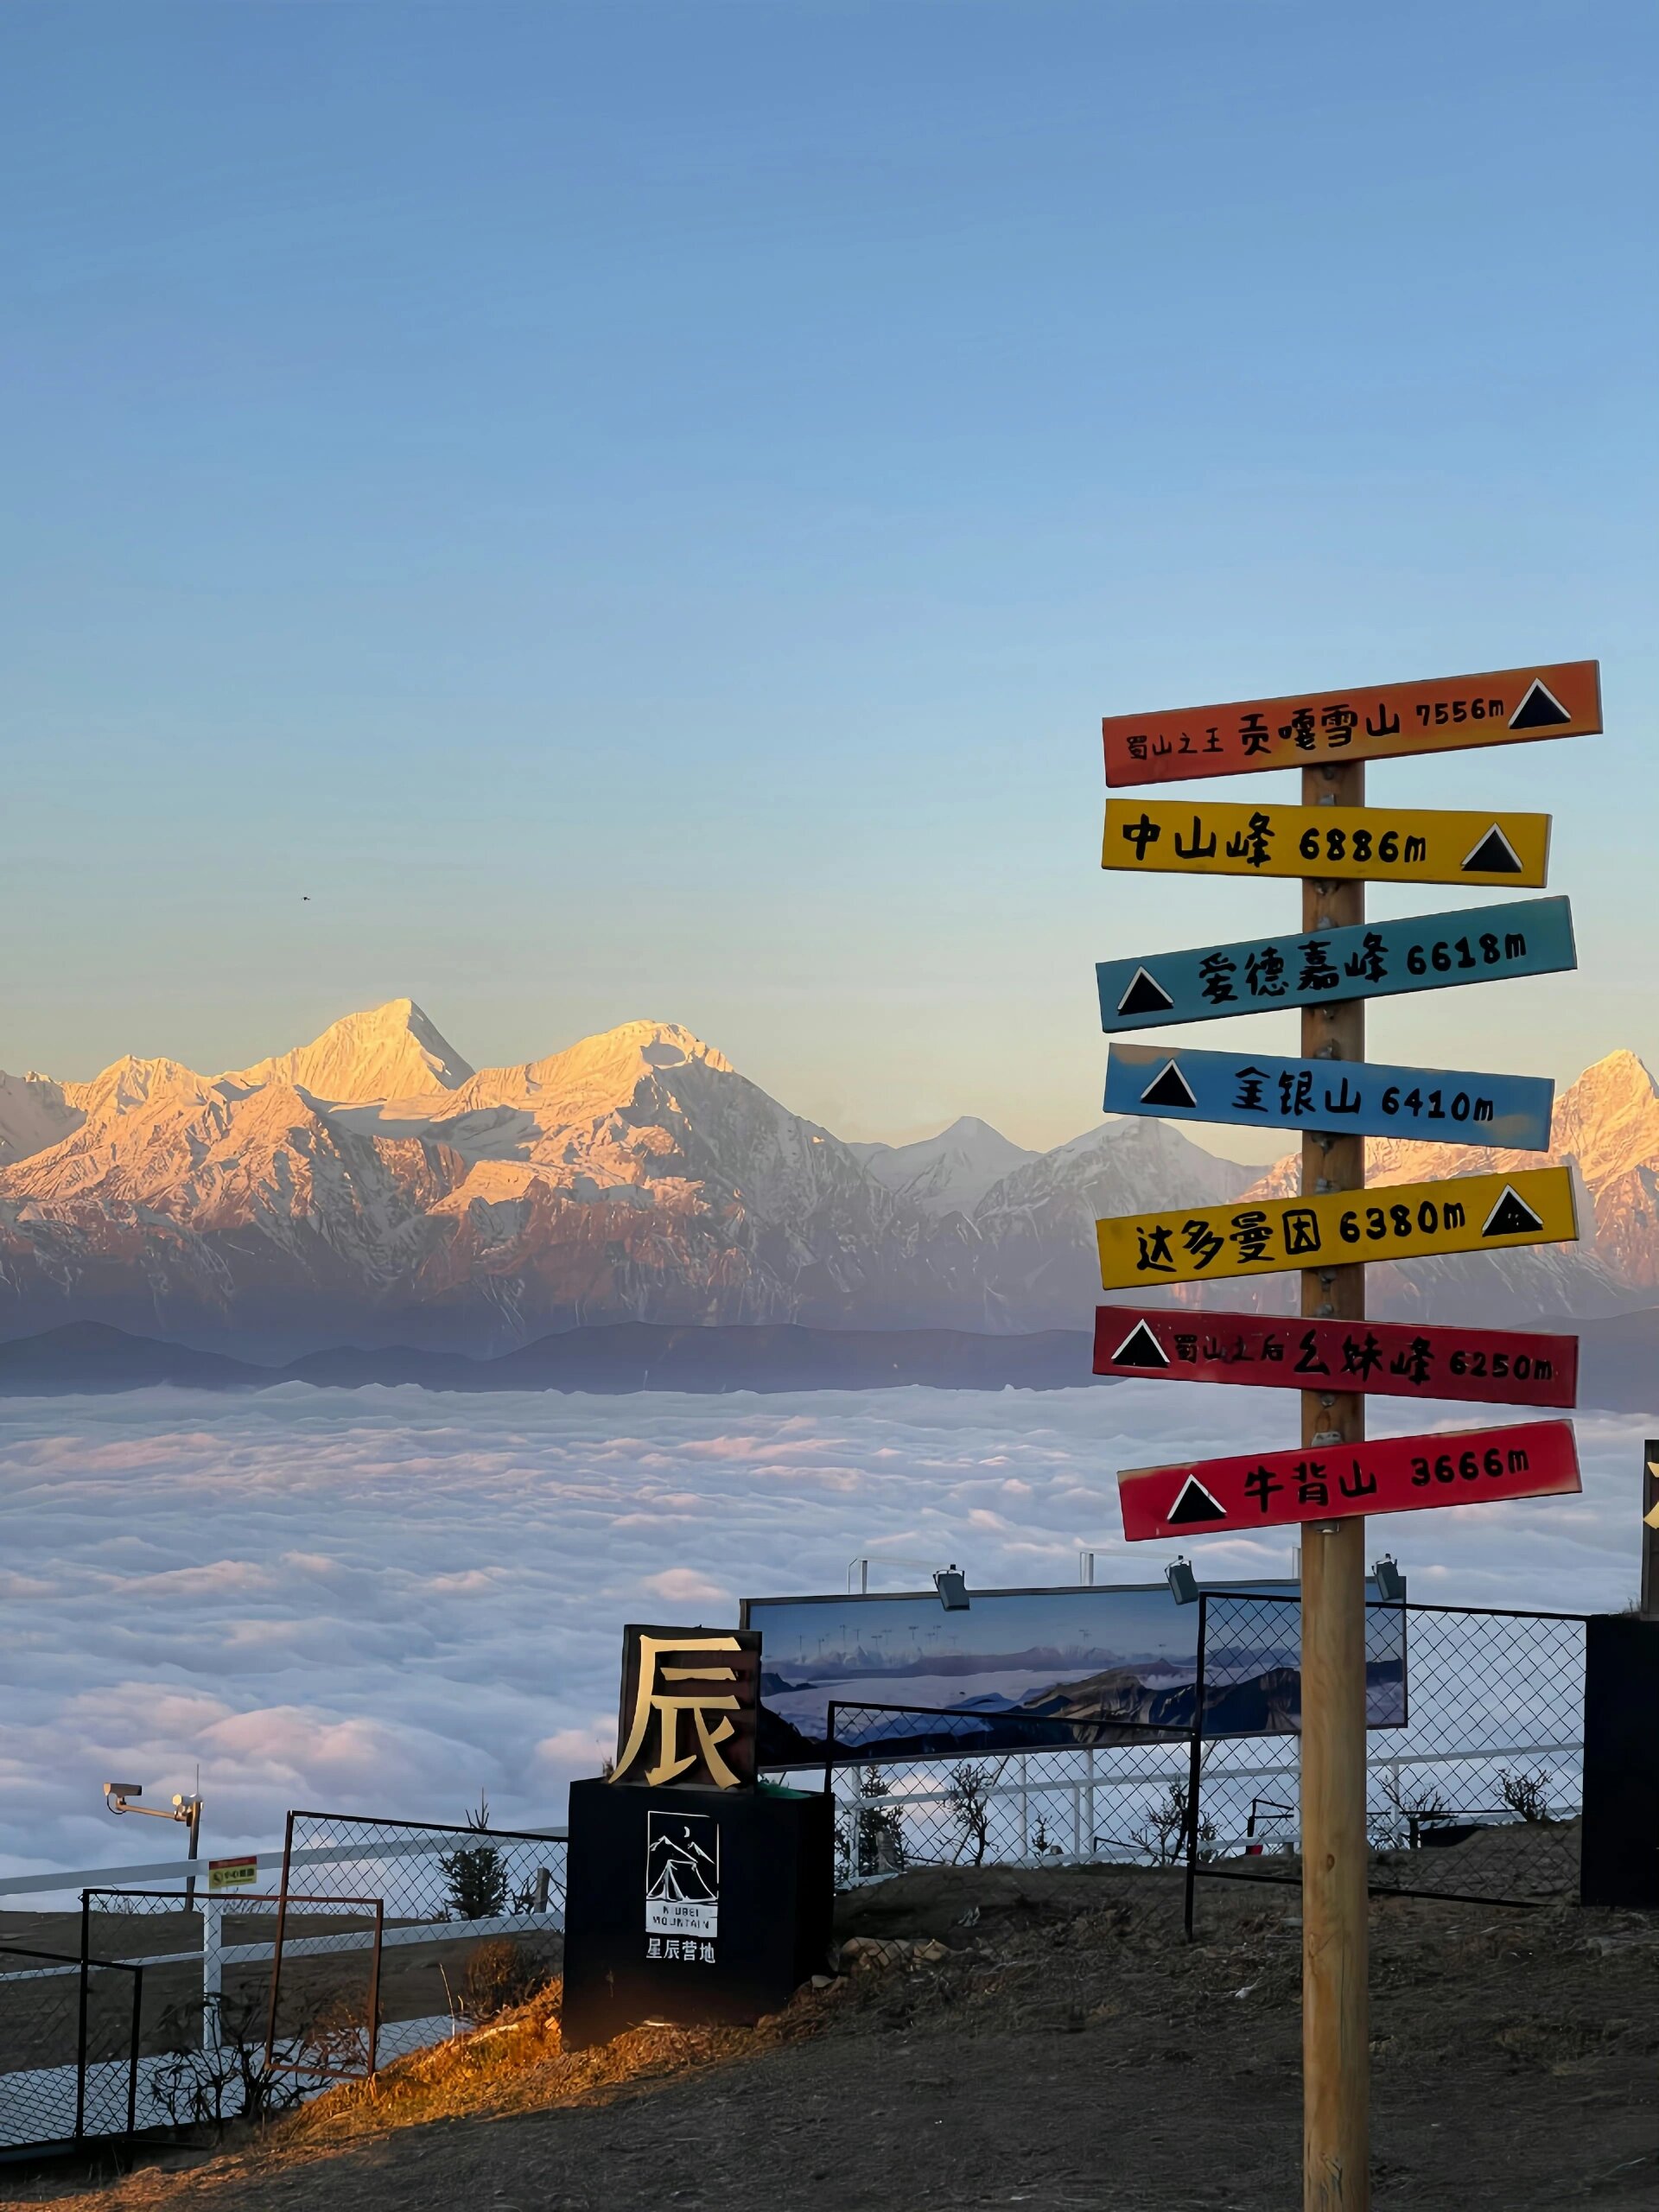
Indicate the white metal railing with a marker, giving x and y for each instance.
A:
(168, 1870)
(1081, 1789)
(215, 1954)
(215, 1949)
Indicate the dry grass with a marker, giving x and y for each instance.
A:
(517, 2063)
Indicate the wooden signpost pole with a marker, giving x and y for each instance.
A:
(1336, 2087)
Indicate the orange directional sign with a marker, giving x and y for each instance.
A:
(1440, 715)
(1383, 844)
(1395, 1474)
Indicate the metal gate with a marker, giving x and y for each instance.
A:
(69, 2038)
(464, 1907)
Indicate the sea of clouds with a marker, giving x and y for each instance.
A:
(390, 1600)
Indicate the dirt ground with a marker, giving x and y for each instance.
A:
(1068, 2048)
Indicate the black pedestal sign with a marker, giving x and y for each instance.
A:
(693, 1895)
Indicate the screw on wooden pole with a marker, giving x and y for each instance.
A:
(1649, 1605)
(1336, 2087)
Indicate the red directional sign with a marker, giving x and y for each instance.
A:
(1395, 1474)
(1386, 1358)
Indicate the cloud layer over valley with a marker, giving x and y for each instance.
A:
(386, 1600)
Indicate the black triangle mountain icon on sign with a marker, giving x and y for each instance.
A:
(1144, 995)
(1194, 1504)
(1539, 709)
(1493, 856)
(1141, 1348)
(1511, 1216)
(1169, 1087)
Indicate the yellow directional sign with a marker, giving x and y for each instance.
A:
(1384, 843)
(1403, 1221)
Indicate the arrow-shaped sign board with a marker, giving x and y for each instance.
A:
(1389, 1360)
(1400, 1221)
(1427, 952)
(1395, 1474)
(1510, 1112)
(1439, 714)
(1383, 844)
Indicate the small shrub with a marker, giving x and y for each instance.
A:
(199, 2083)
(1161, 1836)
(475, 1879)
(967, 1796)
(871, 1840)
(1525, 1790)
(1407, 1808)
(498, 1976)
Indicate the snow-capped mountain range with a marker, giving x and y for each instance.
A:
(373, 1186)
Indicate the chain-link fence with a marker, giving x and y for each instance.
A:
(200, 2045)
(58, 2010)
(912, 1788)
(1475, 1764)
(473, 1919)
(1474, 1796)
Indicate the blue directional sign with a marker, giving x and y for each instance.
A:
(1368, 960)
(1179, 1083)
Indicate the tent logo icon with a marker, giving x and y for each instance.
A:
(682, 1874)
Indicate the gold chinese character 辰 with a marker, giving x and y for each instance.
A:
(709, 1708)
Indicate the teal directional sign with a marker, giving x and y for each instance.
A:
(1180, 1084)
(1427, 952)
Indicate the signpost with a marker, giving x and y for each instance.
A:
(1427, 952)
(1395, 1474)
(1439, 714)
(1389, 1360)
(1510, 1112)
(1337, 1227)
(1334, 844)
(1381, 844)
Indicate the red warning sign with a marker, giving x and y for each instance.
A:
(1395, 1474)
(1390, 1359)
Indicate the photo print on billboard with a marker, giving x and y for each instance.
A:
(1020, 1669)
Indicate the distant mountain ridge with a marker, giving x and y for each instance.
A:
(373, 1187)
(1618, 1367)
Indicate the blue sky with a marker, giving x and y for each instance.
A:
(639, 509)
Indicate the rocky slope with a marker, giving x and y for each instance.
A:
(371, 1186)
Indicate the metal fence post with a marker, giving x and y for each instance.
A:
(374, 1986)
(276, 1950)
(213, 1971)
(135, 2051)
(1195, 1769)
(81, 2033)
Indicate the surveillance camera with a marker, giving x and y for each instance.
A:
(123, 1789)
